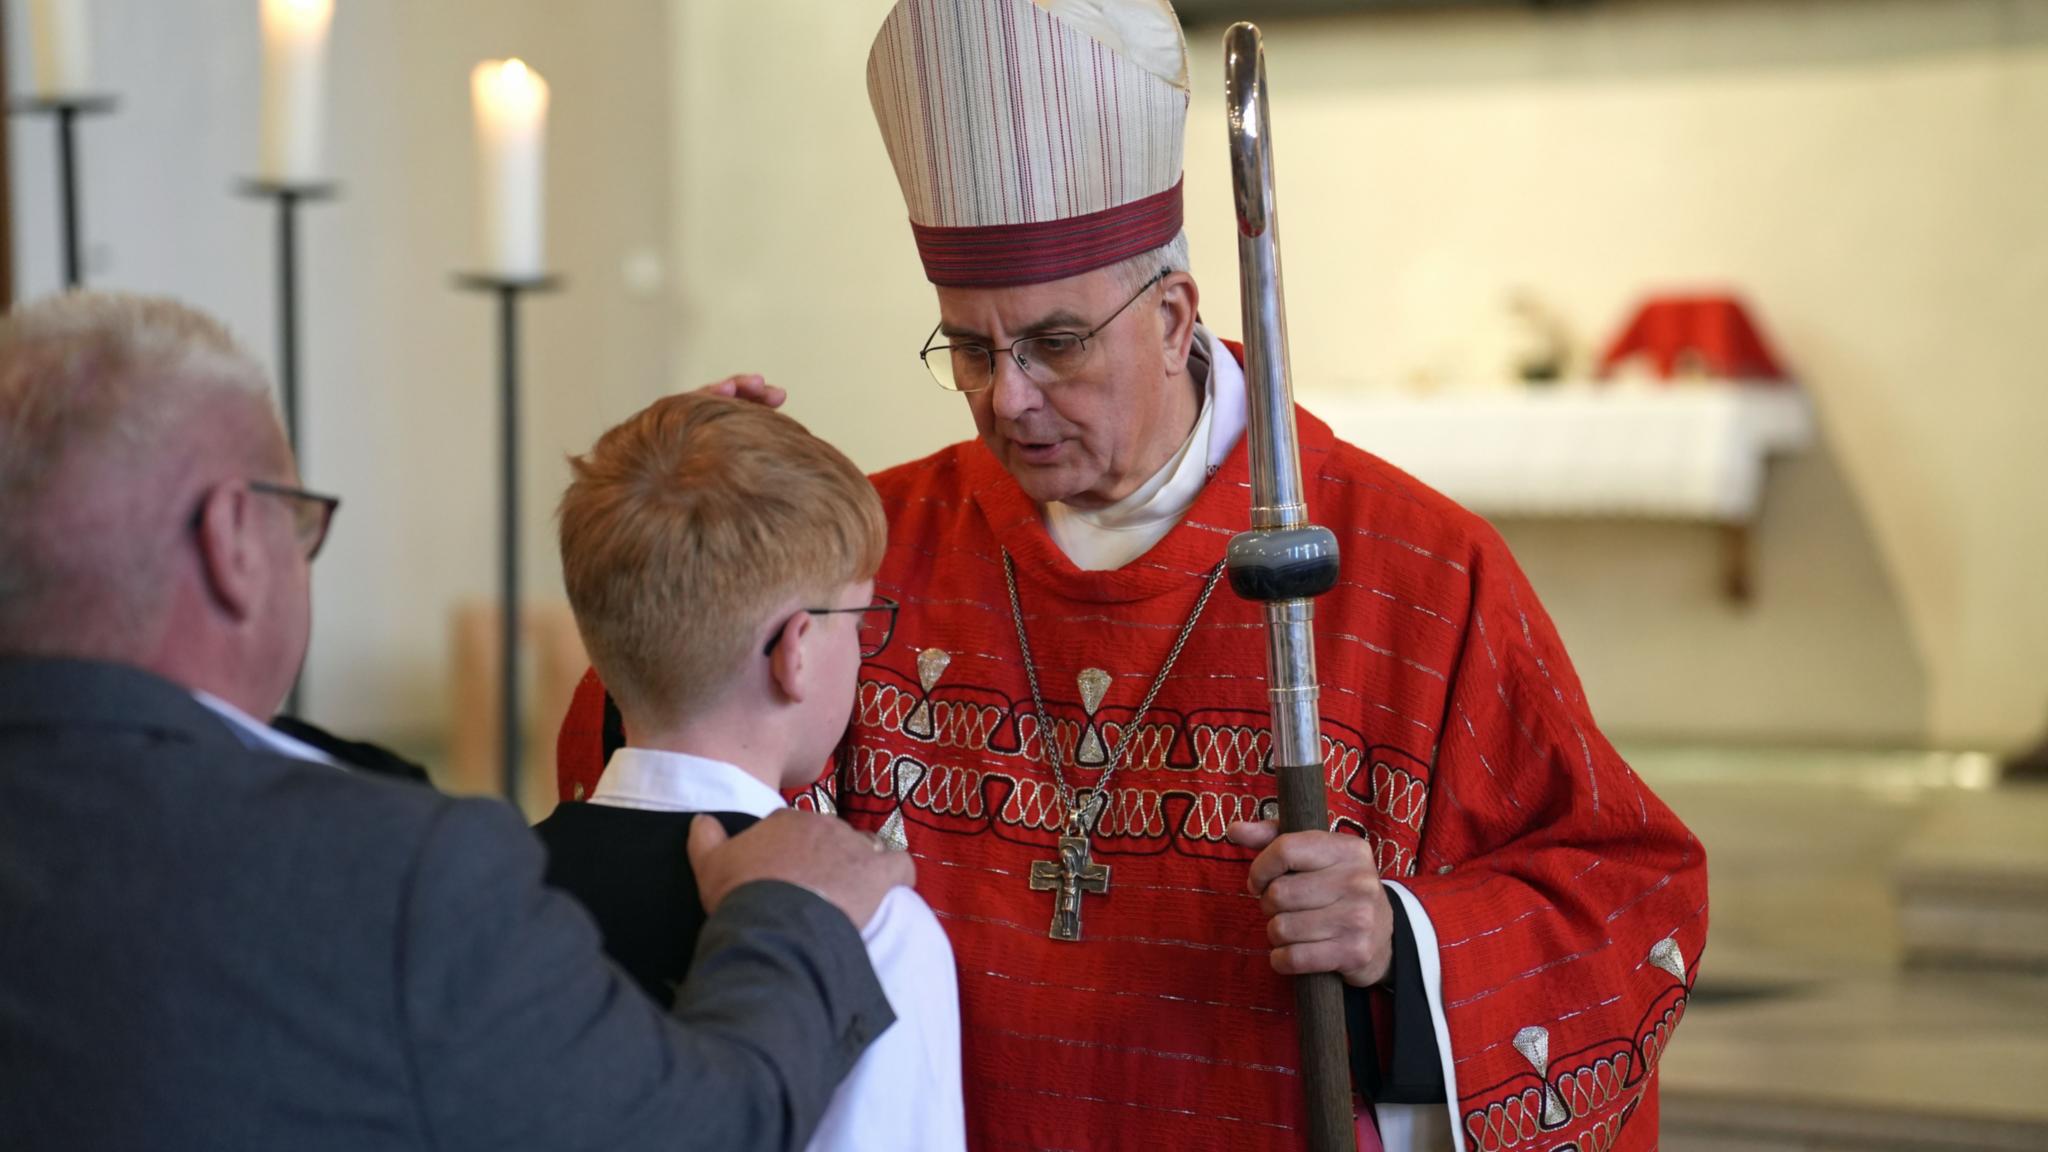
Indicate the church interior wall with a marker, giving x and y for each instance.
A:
(399, 368)
(1866, 173)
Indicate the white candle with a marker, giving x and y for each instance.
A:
(511, 134)
(61, 52)
(294, 77)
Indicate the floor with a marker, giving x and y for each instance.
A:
(1808, 1029)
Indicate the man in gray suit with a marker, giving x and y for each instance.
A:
(210, 938)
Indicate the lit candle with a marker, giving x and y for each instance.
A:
(61, 53)
(294, 71)
(511, 134)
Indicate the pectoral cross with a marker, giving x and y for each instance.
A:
(1070, 876)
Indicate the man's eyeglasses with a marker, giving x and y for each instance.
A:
(312, 512)
(877, 625)
(1047, 358)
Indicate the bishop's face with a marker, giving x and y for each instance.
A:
(1115, 409)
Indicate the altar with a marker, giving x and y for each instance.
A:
(1685, 451)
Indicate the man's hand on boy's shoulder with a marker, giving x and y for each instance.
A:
(749, 386)
(852, 870)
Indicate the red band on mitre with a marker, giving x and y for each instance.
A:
(1000, 255)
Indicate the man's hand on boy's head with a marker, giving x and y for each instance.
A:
(747, 386)
(851, 869)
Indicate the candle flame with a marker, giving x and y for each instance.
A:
(509, 88)
(309, 16)
(514, 82)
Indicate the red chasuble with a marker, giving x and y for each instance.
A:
(1569, 904)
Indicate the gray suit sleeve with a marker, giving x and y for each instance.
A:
(521, 1034)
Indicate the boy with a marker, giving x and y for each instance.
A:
(720, 562)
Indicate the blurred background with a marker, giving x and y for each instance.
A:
(1722, 310)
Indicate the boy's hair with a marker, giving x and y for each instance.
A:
(686, 524)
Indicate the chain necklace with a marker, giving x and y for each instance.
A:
(1074, 873)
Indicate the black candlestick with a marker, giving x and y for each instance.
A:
(509, 290)
(67, 110)
(288, 195)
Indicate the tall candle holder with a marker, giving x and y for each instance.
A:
(66, 111)
(509, 290)
(289, 195)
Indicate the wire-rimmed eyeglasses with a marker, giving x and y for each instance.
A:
(1046, 358)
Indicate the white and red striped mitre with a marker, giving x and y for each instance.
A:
(1033, 140)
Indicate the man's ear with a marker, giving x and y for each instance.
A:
(231, 558)
(786, 665)
(1179, 302)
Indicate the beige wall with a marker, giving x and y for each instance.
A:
(1868, 172)
(793, 254)
(400, 397)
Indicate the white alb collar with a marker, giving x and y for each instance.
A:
(1104, 538)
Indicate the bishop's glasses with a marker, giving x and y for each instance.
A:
(1046, 358)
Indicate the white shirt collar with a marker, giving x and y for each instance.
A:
(675, 782)
(260, 737)
(1104, 538)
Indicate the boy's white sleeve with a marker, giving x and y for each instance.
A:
(904, 1094)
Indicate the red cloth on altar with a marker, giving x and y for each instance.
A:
(1569, 904)
(1709, 334)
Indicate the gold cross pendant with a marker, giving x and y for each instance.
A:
(1070, 876)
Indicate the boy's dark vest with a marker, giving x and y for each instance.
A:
(631, 869)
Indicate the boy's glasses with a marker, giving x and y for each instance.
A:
(877, 625)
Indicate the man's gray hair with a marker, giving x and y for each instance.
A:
(1139, 270)
(97, 394)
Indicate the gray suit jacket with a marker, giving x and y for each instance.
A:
(207, 947)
